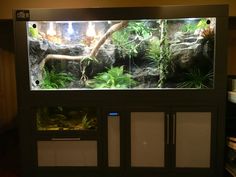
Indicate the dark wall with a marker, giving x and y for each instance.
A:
(6, 35)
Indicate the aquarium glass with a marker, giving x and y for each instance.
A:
(66, 118)
(122, 54)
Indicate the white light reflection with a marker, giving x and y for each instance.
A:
(51, 30)
(70, 28)
(91, 30)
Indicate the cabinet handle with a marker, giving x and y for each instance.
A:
(65, 139)
(174, 128)
(167, 128)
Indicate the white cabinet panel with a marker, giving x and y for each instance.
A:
(67, 153)
(113, 141)
(193, 139)
(147, 139)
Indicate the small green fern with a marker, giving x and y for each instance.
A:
(54, 80)
(154, 51)
(113, 78)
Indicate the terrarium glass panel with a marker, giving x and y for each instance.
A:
(122, 54)
(66, 118)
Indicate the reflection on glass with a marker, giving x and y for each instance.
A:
(66, 118)
(122, 54)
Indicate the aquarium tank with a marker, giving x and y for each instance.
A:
(121, 54)
(66, 118)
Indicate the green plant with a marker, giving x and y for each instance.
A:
(87, 123)
(192, 25)
(113, 78)
(33, 32)
(141, 30)
(124, 46)
(189, 27)
(128, 39)
(197, 79)
(42, 116)
(202, 24)
(52, 79)
(165, 54)
(154, 51)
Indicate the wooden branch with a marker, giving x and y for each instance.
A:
(109, 32)
(58, 57)
(94, 51)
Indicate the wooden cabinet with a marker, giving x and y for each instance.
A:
(168, 132)
(160, 141)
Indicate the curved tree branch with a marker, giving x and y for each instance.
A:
(110, 31)
(93, 53)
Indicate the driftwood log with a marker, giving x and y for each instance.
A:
(94, 51)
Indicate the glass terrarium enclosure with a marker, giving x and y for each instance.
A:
(122, 54)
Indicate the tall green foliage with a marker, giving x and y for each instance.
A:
(164, 54)
(158, 51)
(154, 51)
(128, 39)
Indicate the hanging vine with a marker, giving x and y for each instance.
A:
(164, 54)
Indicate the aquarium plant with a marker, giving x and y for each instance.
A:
(197, 79)
(113, 78)
(60, 118)
(55, 80)
(42, 117)
(88, 123)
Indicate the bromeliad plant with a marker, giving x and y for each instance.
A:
(113, 78)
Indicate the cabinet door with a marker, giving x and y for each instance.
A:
(67, 153)
(147, 139)
(193, 139)
(113, 138)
